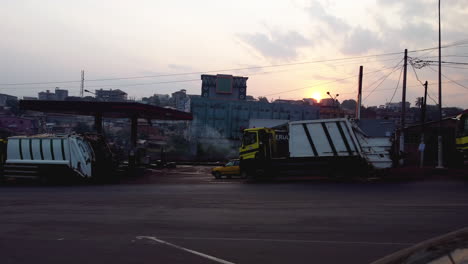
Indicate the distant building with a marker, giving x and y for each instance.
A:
(181, 101)
(269, 123)
(111, 95)
(6, 97)
(396, 106)
(57, 95)
(283, 101)
(330, 108)
(224, 87)
(310, 101)
(19, 125)
(29, 98)
(227, 119)
(61, 94)
(377, 127)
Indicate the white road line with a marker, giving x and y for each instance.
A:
(186, 249)
(427, 205)
(292, 240)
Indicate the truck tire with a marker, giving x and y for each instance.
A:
(217, 175)
(244, 174)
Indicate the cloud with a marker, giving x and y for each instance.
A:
(276, 45)
(360, 41)
(336, 24)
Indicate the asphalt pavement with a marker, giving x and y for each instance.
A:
(227, 221)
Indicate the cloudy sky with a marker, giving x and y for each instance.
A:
(309, 47)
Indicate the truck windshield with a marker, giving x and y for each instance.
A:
(463, 126)
(249, 138)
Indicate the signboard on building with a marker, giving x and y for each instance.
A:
(224, 84)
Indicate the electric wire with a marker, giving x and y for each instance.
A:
(235, 69)
(397, 86)
(375, 88)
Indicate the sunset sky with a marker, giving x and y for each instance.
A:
(314, 46)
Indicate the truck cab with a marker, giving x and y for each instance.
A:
(462, 134)
(258, 147)
(258, 143)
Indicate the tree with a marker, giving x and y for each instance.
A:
(263, 99)
(349, 104)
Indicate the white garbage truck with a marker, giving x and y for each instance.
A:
(52, 157)
(311, 147)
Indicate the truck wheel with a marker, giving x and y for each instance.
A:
(244, 174)
(217, 175)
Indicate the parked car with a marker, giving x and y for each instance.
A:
(229, 169)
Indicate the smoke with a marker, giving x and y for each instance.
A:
(212, 145)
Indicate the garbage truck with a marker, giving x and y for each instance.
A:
(54, 157)
(312, 147)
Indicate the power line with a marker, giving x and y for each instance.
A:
(391, 72)
(398, 85)
(314, 85)
(461, 85)
(383, 77)
(415, 74)
(232, 69)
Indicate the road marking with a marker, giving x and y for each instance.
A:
(427, 205)
(292, 240)
(185, 249)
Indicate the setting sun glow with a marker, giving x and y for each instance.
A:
(316, 96)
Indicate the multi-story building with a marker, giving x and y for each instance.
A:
(6, 97)
(57, 95)
(111, 95)
(397, 106)
(15, 125)
(181, 101)
(222, 110)
(221, 119)
(61, 94)
(224, 87)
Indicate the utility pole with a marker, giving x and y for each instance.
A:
(403, 108)
(359, 99)
(422, 145)
(440, 164)
(82, 84)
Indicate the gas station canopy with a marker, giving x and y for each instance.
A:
(105, 109)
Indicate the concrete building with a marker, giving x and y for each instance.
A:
(61, 94)
(396, 106)
(227, 119)
(19, 125)
(224, 87)
(111, 95)
(6, 97)
(57, 95)
(181, 101)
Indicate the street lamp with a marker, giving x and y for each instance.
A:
(335, 102)
(334, 99)
(88, 91)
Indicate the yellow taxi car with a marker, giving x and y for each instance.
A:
(229, 169)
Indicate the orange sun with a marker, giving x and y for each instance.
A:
(316, 96)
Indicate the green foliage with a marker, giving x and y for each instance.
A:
(349, 104)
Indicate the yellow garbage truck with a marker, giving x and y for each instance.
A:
(312, 147)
